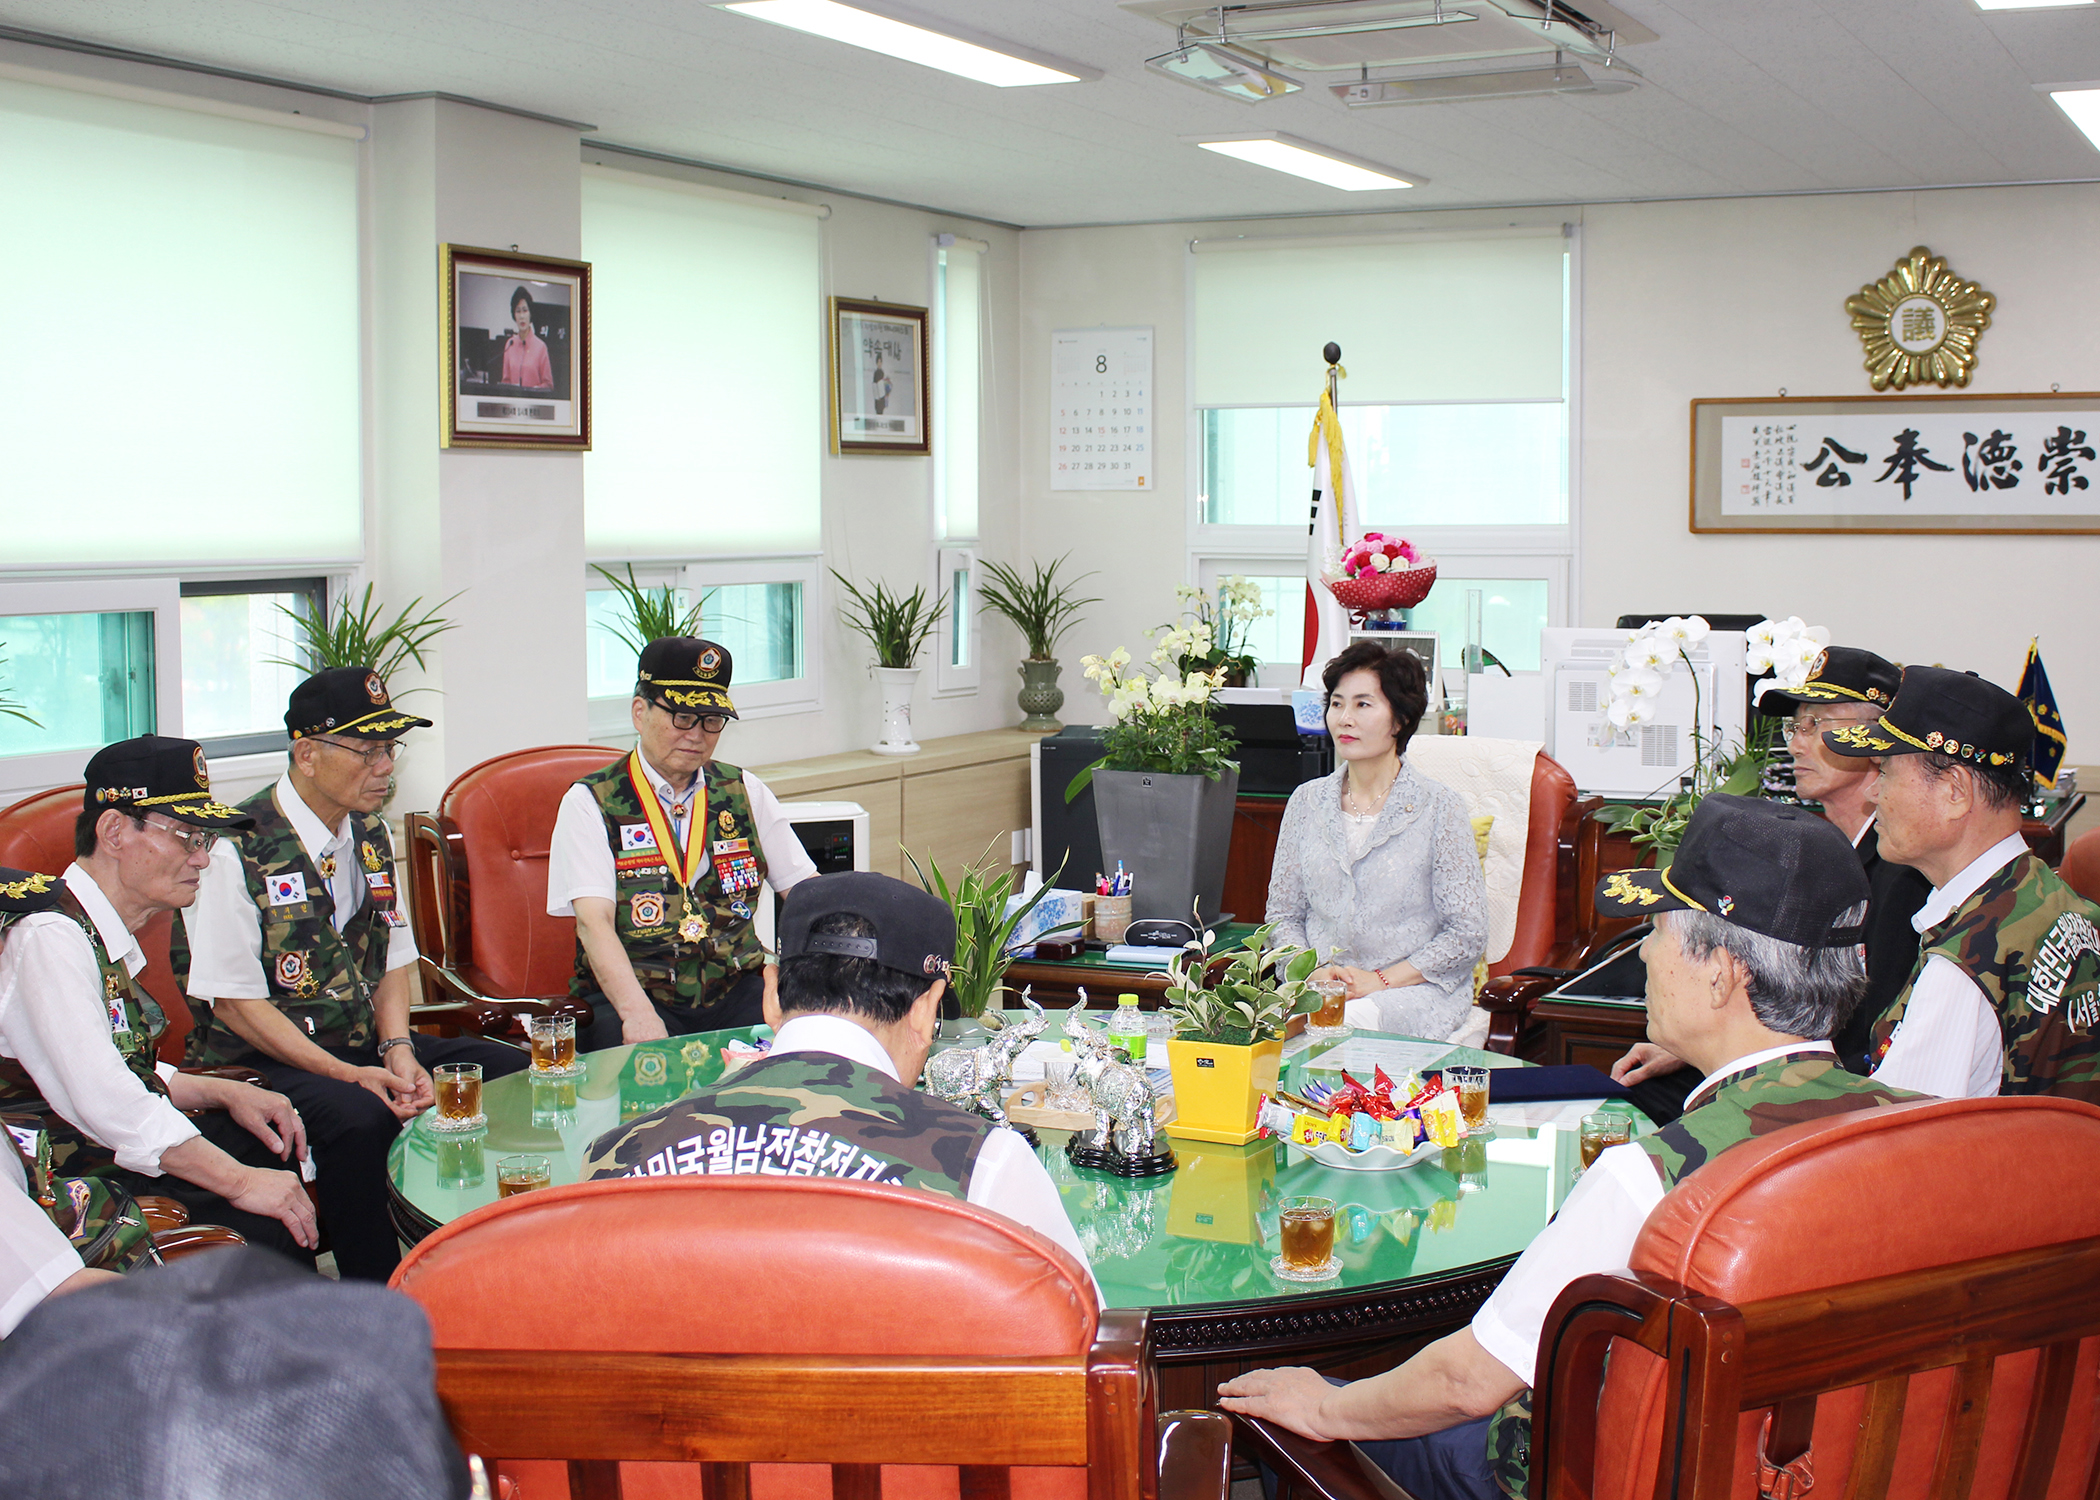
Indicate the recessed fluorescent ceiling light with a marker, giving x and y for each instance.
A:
(1282, 154)
(2083, 106)
(893, 38)
(2027, 4)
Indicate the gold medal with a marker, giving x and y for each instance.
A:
(327, 867)
(692, 929)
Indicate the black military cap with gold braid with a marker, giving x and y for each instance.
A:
(1942, 712)
(23, 891)
(348, 701)
(156, 774)
(682, 674)
(1842, 674)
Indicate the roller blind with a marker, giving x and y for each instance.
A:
(956, 434)
(1434, 320)
(181, 381)
(707, 372)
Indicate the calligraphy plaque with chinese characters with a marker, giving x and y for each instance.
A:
(1962, 464)
(1101, 409)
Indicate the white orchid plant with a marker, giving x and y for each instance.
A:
(1159, 715)
(1787, 648)
(1226, 623)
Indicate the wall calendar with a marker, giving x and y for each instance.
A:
(1101, 409)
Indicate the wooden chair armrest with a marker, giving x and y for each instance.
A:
(1328, 1471)
(467, 1008)
(162, 1213)
(231, 1074)
(1589, 1313)
(173, 1244)
(1195, 1455)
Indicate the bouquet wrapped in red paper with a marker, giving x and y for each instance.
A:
(1381, 572)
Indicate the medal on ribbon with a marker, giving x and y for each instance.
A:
(684, 861)
(692, 928)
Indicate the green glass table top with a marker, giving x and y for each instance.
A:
(1205, 1233)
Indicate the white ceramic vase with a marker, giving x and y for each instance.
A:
(897, 685)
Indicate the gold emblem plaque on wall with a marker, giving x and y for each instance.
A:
(1920, 323)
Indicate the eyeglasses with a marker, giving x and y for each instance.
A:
(686, 723)
(371, 754)
(193, 840)
(1809, 726)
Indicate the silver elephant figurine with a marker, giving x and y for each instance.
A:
(977, 1077)
(1124, 1119)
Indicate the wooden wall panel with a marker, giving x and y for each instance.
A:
(953, 815)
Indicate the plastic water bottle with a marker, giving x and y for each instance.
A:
(1126, 1028)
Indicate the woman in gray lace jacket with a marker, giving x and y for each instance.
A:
(1380, 862)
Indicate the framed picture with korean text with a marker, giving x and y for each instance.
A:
(517, 331)
(878, 378)
(1963, 465)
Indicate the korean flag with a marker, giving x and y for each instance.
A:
(287, 890)
(636, 836)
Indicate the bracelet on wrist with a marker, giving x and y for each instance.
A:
(395, 1041)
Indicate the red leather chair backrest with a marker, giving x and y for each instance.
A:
(2081, 866)
(742, 1265)
(37, 834)
(1855, 1196)
(504, 812)
(1552, 793)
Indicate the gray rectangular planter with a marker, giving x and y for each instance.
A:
(1172, 833)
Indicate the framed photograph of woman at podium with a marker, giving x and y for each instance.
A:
(517, 331)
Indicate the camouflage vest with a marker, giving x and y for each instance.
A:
(135, 1024)
(1778, 1092)
(802, 1114)
(684, 945)
(320, 978)
(99, 1218)
(2032, 945)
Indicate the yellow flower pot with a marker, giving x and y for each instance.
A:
(1217, 1088)
(1219, 1190)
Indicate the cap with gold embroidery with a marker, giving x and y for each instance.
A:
(1943, 712)
(682, 674)
(1770, 867)
(349, 701)
(1842, 674)
(156, 774)
(27, 891)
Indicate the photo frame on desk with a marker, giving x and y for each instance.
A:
(1967, 465)
(517, 334)
(878, 378)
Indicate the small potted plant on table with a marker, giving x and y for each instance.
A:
(1227, 1047)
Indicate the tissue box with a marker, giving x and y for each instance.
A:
(1058, 908)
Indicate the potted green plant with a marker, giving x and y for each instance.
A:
(1228, 622)
(1227, 1046)
(14, 708)
(1042, 607)
(896, 625)
(650, 614)
(1165, 785)
(984, 928)
(360, 635)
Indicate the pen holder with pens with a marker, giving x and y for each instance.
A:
(1111, 918)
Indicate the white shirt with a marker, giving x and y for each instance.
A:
(34, 1257)
(1949, 1042)
(1593, 1233)
(580, 859)
(225, 925)
(1008, 1179)
(55, 1022)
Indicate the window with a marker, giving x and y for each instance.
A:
(958, 323)
(759, 610)
(236, 639)
(957, 641)
(707, 360)
(85, 661)
(202, 402)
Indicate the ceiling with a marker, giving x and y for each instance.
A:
(1740, 97)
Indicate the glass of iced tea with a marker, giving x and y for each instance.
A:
(1601, 1131)
(521, 1174)
(1471, 1086)
(1306, 1229)
(553, 1043)
(458, 1097)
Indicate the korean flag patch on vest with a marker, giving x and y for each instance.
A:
(636, 836)
(288, 889)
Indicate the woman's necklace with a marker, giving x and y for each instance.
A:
(1360, 812)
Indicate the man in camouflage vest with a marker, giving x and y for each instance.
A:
(2005, 996)
(79, 1034)
(863, 968)
(1754, 960)
(301, 965)
(660, 857)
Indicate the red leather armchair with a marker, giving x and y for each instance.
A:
(2081, 866)
(690, 1335)
(477, 884)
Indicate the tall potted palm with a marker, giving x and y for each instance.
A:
(984, 928)
(1042, 607)
(897, 626)
(1165, 785)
